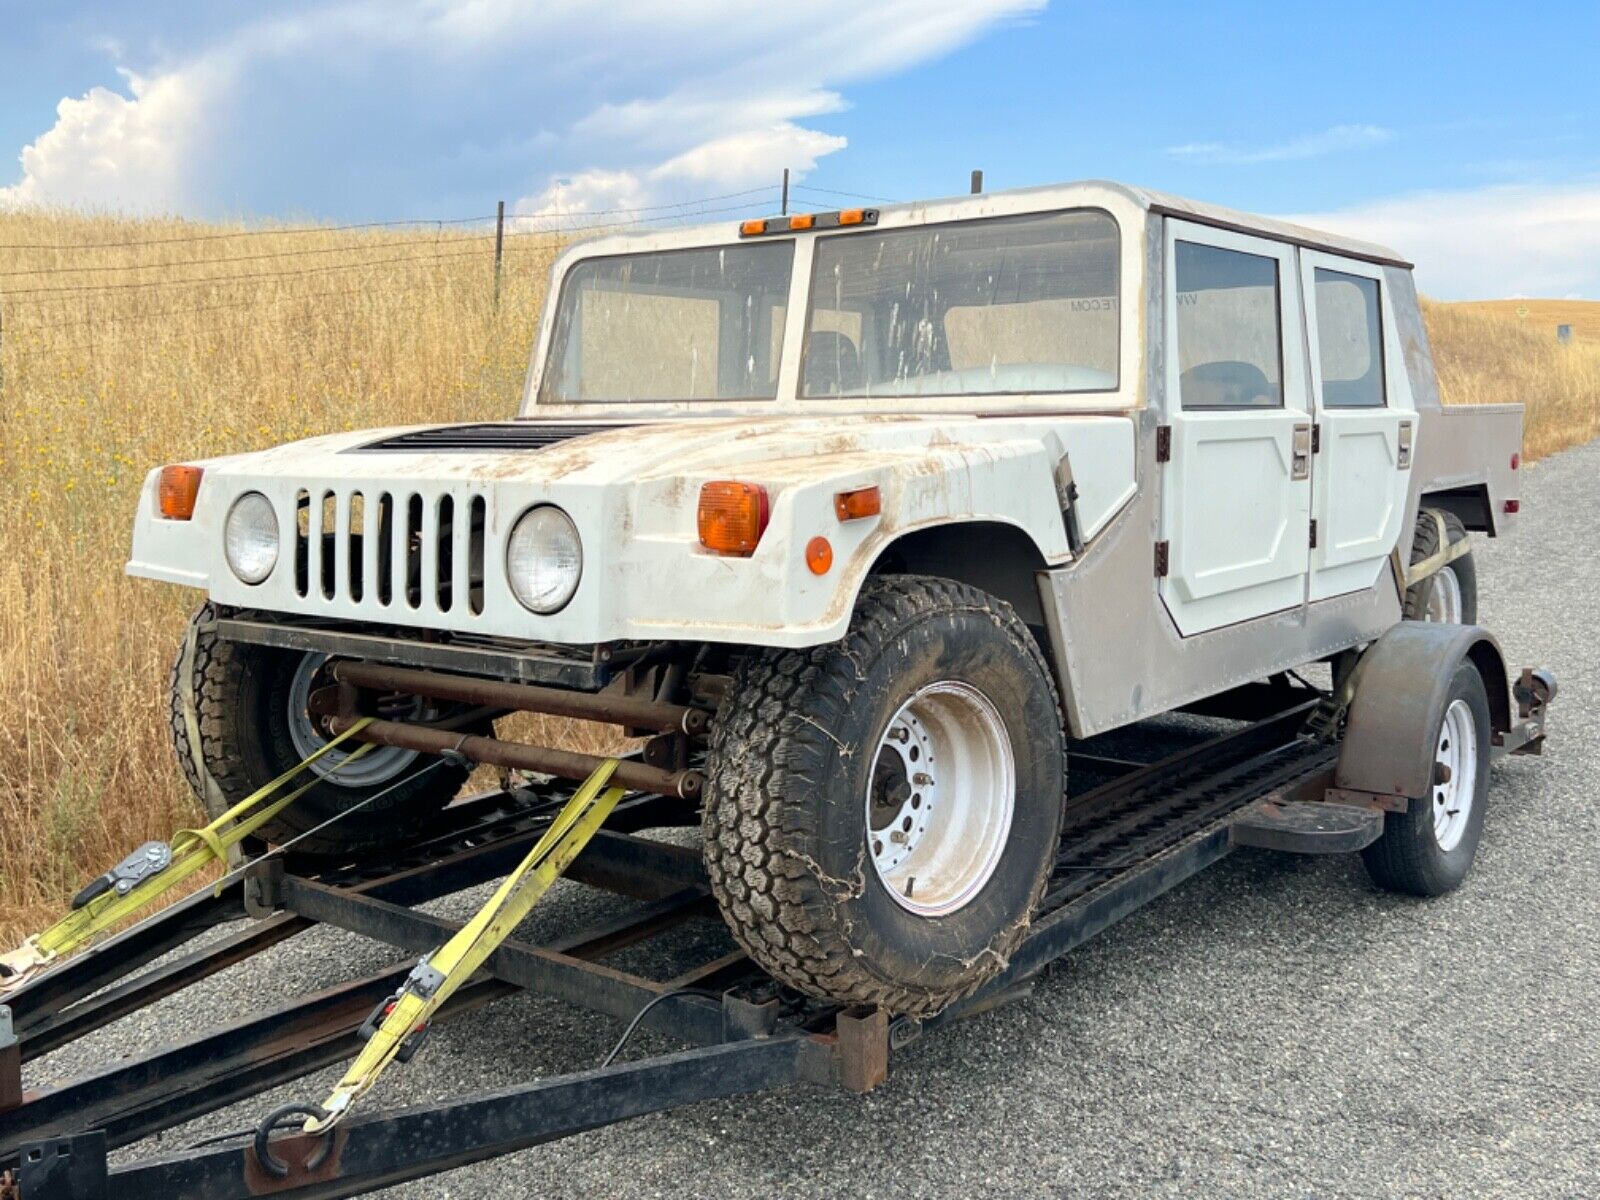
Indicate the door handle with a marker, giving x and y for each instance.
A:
(1300, 455)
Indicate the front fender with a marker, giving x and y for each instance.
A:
(772, 598)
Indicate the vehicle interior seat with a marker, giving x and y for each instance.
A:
(832, 364)
(1227, 385)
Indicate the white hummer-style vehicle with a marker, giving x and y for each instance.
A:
(863, 516)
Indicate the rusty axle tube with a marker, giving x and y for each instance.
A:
(564, 764)
(635, 713)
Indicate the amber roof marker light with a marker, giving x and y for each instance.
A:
(845, 219)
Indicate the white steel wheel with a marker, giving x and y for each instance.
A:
(1444, 597)
(941, 798)
(378, 765)
(1455, 786)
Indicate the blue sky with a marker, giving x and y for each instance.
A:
(1468, 135)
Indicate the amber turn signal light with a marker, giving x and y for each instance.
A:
(732, 516)
(752, 228)
(863, 502)
(852, 216)
(178, 489)
(819, 555)
(802, 221)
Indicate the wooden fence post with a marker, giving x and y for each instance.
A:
(499, 247)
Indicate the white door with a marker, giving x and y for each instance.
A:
(1236, 492)
(1363, 408)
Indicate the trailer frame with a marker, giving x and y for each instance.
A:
(1140, 832)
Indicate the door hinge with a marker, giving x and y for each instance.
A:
(1163, 556)
(1313, 534)
(1163, 443)
(1316, 438)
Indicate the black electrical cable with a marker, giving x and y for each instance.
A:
(676, 993)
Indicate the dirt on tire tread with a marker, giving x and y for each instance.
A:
(781, 908)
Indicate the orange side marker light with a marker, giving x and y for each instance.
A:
(857, 504)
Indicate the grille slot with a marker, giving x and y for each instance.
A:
(417, 546)
(491, 437)
(371, 550)
(383, 548)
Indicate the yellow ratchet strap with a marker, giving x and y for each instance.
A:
(398, 1026)
(189, 851)
(1446, 554)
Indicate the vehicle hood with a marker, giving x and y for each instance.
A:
(783, 447)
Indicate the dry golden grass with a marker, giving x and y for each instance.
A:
(1542, 316)
(99, 386)
(1488, 356)
(251, 341)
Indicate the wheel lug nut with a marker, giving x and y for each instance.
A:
(898, 837)
(922, 779)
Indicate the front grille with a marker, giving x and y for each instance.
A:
(387, 550)
(502, 436)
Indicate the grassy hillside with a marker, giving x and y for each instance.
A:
(1542, 316)
(132, 344)
(1484, 354)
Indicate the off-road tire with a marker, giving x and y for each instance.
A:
(785, 823)
(1407, 857)
(241, 713)
(1425, 544)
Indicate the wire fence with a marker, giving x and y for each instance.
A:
(50, 292)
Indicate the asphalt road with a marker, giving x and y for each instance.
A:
(1275, 1027)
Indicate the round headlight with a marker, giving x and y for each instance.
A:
(544, 559)
(250, 537)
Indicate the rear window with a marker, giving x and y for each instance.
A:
(1006, 305)
(1349, 340)
(703, 324)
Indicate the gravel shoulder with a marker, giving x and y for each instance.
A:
(1274, 1027)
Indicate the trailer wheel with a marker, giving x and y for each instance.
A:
(1450, 594)
(249, 709)
(1428, 849)
(882, 813)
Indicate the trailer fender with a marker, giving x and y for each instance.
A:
(1403, 679)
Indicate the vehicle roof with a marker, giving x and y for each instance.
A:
(1229, 218)
(1056, 195)
(1168, 204)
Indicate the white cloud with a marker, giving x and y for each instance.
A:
(1310, 145)
(1532, 240)
(114, 151)
(587, 192)
(751, 156)
(631, 102)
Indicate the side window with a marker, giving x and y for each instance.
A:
(1230, 340)
(1349, 340)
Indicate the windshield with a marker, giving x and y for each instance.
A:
(703, 324)
(1003, 305)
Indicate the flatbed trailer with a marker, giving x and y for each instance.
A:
(1133, 831)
